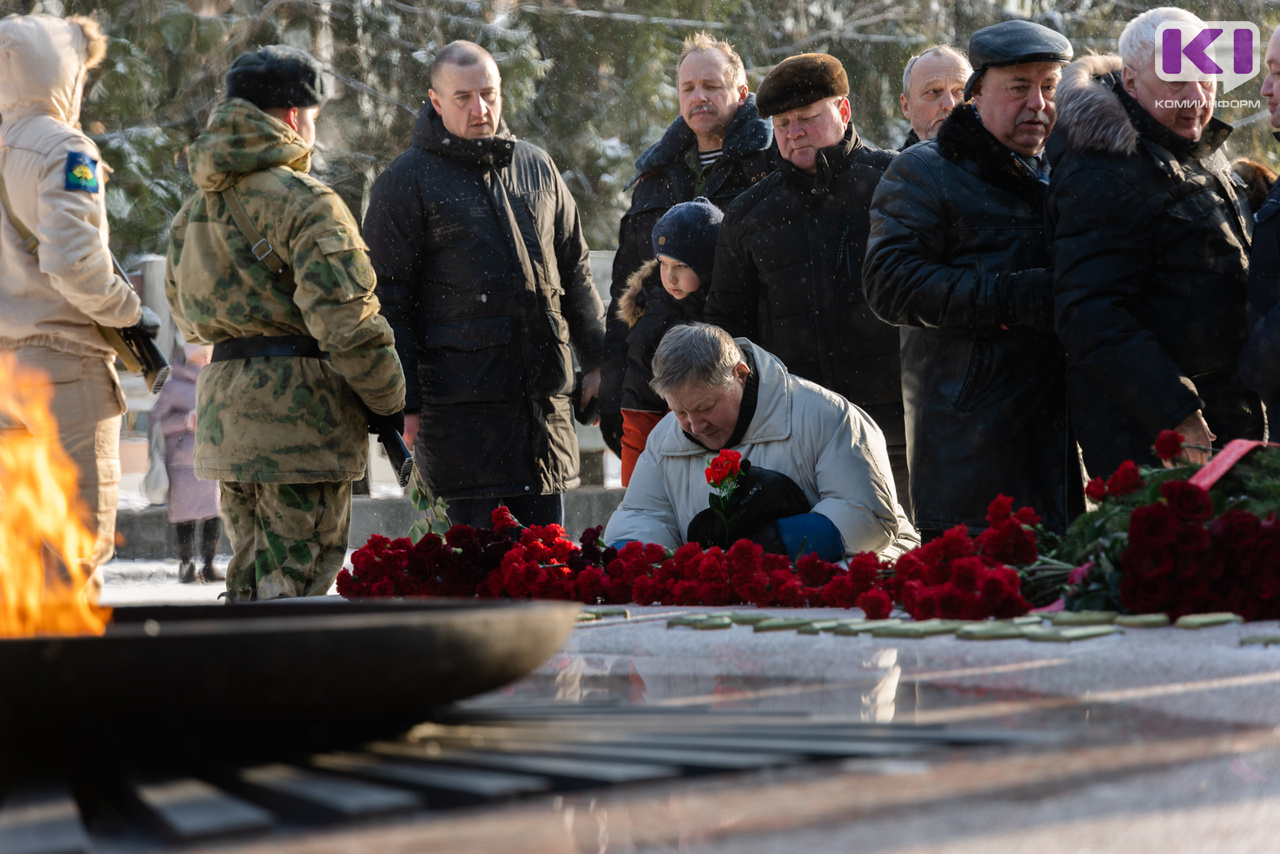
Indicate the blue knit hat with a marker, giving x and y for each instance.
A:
(688, 234)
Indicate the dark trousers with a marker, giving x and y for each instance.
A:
(210, 533)
(528, 510)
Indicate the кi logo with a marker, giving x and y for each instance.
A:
(1223, 50)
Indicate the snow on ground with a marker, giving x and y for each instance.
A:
(153, 582)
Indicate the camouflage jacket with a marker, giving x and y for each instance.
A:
(278, 419)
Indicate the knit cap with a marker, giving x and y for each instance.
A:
(688, 234)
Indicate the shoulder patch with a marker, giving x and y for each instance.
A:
(82, 173)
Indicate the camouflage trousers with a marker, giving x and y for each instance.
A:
(288, 539)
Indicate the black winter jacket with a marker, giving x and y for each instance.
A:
(1260, 358)
(482, 319)
(665, 178)
(958, 259)
(1150, 244)
(788, 275)
(649, 311)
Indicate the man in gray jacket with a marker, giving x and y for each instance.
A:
(817, 463)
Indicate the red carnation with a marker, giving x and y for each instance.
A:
(1152, 525)
(726, 465)
(1126, 479)
(876, 604)
(1168, 444)
(1188, 501)
(502, 520)
(1000, 508)
(813, 570)
(1096, 491)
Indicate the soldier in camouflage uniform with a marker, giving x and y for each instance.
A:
(304, 365)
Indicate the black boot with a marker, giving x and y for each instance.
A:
(186, 532)
(210, 533)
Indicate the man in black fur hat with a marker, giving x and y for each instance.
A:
(957, 258)
(788, 271)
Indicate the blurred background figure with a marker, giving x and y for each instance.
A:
(192, 502)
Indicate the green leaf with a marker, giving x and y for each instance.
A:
(991, 630)
(922, 629)
(1067, 633)
(857, 627)
(779, 624)
(1204, 621)
(1083, 618)
(1142, 621)
(712, 623)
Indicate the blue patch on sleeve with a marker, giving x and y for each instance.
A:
(82, 173)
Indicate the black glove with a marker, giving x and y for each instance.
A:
(148, 324)
(611, 429)
(589, 415)
(764, 496)
(381, 423)
(761, 498)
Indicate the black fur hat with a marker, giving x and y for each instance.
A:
(276, 76)
(800, 80)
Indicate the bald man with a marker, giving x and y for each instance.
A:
(484, 275)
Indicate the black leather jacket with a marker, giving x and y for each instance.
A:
(957, 258)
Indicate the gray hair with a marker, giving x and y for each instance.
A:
(1138, 41)
(698, 351)
(936, 49)
(699, 42)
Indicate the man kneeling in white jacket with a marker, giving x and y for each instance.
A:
(815, 476)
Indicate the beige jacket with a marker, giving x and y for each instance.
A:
(828, 446)
(53, 301)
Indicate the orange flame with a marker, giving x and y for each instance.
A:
(43, 583)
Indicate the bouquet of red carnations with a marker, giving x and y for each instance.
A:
(1182, 540)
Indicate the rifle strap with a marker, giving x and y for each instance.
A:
(28, 239)
(260, 247)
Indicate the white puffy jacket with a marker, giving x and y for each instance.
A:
(53, 301)
(828, 446)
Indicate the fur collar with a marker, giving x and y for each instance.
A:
(1096, 114)
(1090, 112)
(644, 293)
(632, 301)
(963, 137)
(747, 133)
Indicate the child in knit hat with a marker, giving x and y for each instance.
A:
(684, 241)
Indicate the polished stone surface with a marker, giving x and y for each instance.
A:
(1159, 740)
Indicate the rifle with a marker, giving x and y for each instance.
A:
(137, 350)
(398, 453)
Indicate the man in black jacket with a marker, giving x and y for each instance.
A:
(484, 276)
(1150, 239)
(1260, 358)
(958, 259)
(717, 147)
(788, 271)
